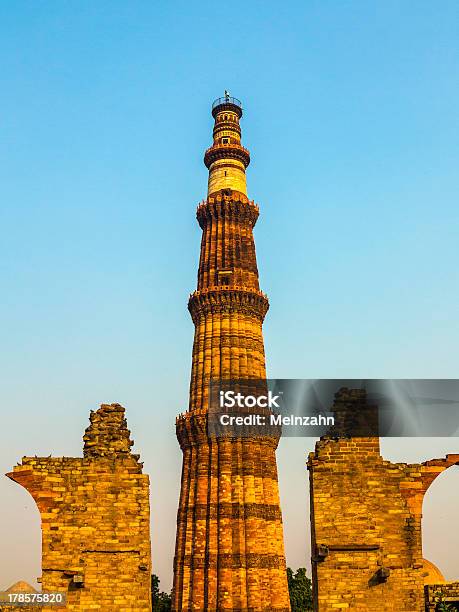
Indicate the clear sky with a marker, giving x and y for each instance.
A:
(351, 117)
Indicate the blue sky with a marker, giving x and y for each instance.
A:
(351, 119)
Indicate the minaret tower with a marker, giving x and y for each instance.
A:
(229, 548)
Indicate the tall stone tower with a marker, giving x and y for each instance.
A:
(229, 548)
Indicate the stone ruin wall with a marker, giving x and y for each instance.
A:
(447, 593)
(95, 519)
(366, 524)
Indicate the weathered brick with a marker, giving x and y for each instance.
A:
(101, 532)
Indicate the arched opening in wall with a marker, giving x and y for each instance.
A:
(440, 535)
(294, 500)
(20, 535)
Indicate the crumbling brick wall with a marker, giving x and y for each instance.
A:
(95, 519)
(366, 521)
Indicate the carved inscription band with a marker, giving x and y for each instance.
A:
(233, 561)
(268, 512)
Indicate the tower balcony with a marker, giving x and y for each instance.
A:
(226, 151)
(227, 103)
(228, 298)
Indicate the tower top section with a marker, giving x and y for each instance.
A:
(227, 159)
(227, 103)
